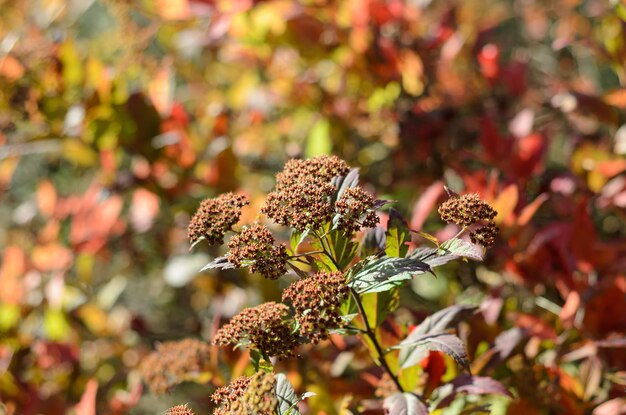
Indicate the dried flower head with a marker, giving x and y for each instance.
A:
(215, 217)
(265, 328)
(179, 410)
(466, 210)
(229, 396)
(356, 210)
(260, 397)
(254, 247)
(485, 235)
(172, 362)
(303, 193)
(248, 395)
(316, 301)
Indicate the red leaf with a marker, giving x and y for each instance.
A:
(87, 403)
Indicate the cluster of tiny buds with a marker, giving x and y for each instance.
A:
(179, 410)
(303, 193)
(316, 301)
(172, 362)
(229, 397)
(254, 246)
(215, 217)
(356, 210)
(468, 210)
(248, 395)
(265, 328)
(260, 398)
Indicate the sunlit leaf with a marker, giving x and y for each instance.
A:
(404, 404)
(447, 343)
(382, 274)
(287, 398)
(397, 235)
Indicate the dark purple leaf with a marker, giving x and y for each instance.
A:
(219, 263)
(343, 183)
(442, 320)
(479, 385)
(410, 351)
(404, 404)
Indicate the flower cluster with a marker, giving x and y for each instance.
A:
(229, 397)
(485, 235)
(468, 210)
(264, 328)
(356, 210)
(179, 410)
(248, 395)
(254, 246)
(303, 195)
(316, 301)
(215, 217)
(172, 362)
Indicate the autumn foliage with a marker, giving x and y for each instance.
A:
(119, 118)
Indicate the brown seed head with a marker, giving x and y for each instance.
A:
(265, 328)
(215, 217)
(302, 197)
(316, 301)
(248, 395)
(179, 410)
(260, 397)
(172, 362)
(466, 210)
(254, 246)
(485, 235)
(356, 210)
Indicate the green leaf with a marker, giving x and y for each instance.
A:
(447, 343)
(341, 248)
(377, 306)
(397, 235)
(319, 142)
(287, 398)
(55, 325)
(383, 274)
(461, 248)
(296, 238)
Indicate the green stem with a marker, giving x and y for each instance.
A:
(305, 254)
(372, 336)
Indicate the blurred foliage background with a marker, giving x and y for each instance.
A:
(118, 117)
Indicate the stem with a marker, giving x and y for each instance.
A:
(370, 333)
(326, 251)
(305, 254)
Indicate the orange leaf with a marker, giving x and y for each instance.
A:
(87, 403)
(46, 198)
(505, 204)
(529, 210)
(51, 257)
(13, 267)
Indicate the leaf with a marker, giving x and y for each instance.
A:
(218, 263)
(87, 403)
(432, 256)
(374, 241)
(342, 249)
(461, 248)
(404, 404)
(505, 203)
(296, 238)
(479, 385)
(425, 204)
(443, 320)
(319, 142)
(378, 305)
(397, 235)
(382, 274)
(346, 182)
(615, 406)
(287, 398)
(447, 343)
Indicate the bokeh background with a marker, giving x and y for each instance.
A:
(118, 117)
